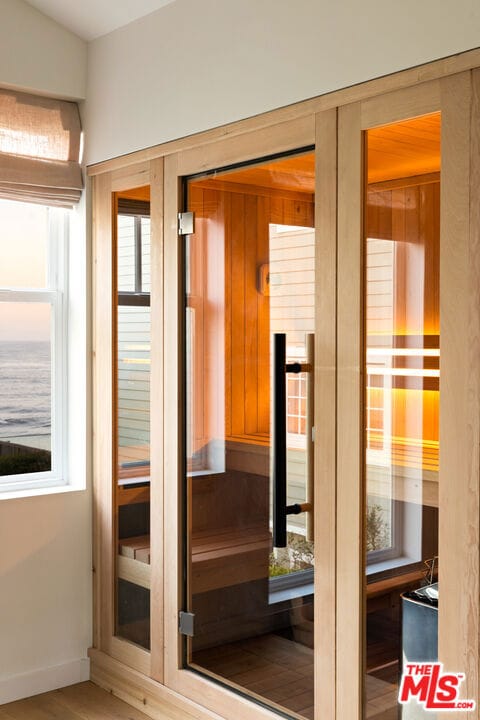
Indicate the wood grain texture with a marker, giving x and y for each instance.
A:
(197, 688)
(474, 254)
(103, 412)
(131, 178)
(84, 701)
(173, 443)
(459, 383)
(156, 420)
(285, 136)
(104, 421)
(403, 104)
(232, 318)
(325, 414)
(350, 578)
(143, 693)
(339, 681)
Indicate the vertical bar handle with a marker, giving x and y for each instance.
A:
(279, 442)
(310, 437)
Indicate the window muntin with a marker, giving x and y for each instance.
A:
(33, 346)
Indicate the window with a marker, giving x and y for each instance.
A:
(33, 292)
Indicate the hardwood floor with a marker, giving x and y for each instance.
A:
(85, 701)
(269, 667)
(280, 671)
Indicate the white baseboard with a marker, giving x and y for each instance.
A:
(17, 687)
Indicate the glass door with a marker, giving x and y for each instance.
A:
(402, 400)
(249, 465)
(405, 562)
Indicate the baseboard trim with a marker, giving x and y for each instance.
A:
(18, 687)
(143, 693)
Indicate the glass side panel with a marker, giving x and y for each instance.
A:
(250, 277)
(132, 489)
(26, 382)
(402, 361)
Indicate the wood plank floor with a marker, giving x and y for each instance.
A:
(269, 667)
(280, 671)
(84, 701)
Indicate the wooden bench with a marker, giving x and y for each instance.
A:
(221, 559)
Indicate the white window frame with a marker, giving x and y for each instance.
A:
(56, 294)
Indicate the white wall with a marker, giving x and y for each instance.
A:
(45, 542)
(45, 598)
(198, 64)
(39, 55)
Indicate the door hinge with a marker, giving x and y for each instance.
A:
(185, 623)
(186, 223)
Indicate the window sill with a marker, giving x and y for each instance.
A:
(292, 593)
(384, 566)
(375, 572)
(38, 491)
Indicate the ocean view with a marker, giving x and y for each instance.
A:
(25, 382)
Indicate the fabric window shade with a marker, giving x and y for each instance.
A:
(39, 149)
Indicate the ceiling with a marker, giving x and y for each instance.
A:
(90, 19)
(401, 150)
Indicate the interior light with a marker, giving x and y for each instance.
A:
(403, 352)
(402, 372)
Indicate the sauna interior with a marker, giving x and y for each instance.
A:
(249, 275)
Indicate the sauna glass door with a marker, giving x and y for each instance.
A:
(402, 401)
(406, 366)
(249, 474)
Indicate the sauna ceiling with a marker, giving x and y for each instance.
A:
(404, 149)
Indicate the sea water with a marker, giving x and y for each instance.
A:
(25, 393)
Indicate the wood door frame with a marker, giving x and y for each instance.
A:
(340, 667)
(320, 129)
(104, 456)
(459, 470)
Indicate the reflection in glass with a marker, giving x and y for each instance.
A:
(133, 420)
(249, 274)
(401, 402)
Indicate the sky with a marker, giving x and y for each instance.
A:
(23, 242)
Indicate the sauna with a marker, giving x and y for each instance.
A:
(286, 409)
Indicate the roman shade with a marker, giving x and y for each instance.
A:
(39, 149)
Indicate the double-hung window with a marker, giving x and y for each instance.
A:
(33, 347)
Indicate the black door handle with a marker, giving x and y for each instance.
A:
(279, 441)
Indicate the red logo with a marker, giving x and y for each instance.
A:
(431, 687)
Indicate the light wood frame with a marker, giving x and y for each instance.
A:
(155, 681)
(459, 381)
(280, 138)
(104, 454)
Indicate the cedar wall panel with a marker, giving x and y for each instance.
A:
(230, 358)
(396, 274)
(231, 350)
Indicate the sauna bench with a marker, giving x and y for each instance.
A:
(383, 594)
(221, 559)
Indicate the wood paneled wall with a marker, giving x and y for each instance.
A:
(230, 353)
(403, 300)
